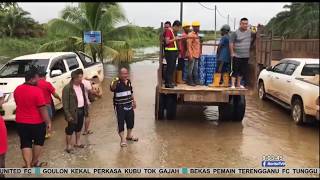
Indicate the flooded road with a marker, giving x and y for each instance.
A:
(195, 139)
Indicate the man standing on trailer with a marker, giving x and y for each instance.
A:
(171, 52)
(240, 42)
(183, 46)
(194, 52)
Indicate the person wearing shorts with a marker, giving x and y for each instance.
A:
(88, 89)
(240, 42)
(32, 119)
(124, 105)
(75, 108)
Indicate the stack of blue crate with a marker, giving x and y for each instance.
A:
(210, 68)
(202, 69)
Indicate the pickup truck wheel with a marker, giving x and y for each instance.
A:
(261, 91)
(171, 106)
(239, 107)
(297, 112)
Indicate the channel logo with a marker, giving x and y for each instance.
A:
(273, 163)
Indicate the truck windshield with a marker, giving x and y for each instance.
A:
(18, 68)
(310, 70)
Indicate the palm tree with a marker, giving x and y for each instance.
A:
(99, 16)
(300, 20)
(14, 18)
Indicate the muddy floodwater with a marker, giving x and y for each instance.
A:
(195, 139)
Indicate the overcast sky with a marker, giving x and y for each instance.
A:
(151, 14)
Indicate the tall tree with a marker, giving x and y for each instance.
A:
(98, 16)
(14, 21)
(299, 20)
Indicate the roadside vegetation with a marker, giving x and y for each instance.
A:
(20, 34)
(298, 20)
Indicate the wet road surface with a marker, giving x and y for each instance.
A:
(195, 139)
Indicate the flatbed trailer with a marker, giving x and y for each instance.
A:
(231, 102)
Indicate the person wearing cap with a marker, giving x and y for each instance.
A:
(3, 138)
(183, 45)
(194, 52)
(223, 55)
(48, 90)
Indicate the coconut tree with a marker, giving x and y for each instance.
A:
(98, 16)
(299, 20)
(15, 19)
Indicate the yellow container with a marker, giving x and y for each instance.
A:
(226, 79)
(216, 79)
(179, 77)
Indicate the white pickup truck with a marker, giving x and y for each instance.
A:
(59, 66)
(294, 84)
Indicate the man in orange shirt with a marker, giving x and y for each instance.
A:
(194, 52)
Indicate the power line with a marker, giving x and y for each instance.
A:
(206, 7)
(220, 14)
(228, 17)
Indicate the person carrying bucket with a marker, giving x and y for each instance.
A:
(223, 58)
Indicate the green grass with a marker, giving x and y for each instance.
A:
(13, 47)
(146, 42)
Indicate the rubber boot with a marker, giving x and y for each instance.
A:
(179, 77)
(226, 79)
(216, 79)
(190, 82)
(174, 79)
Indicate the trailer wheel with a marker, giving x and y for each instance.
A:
(225, 110)
(160, 111)
(171, 106)
(239, 107)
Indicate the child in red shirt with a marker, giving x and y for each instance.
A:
(3, 137)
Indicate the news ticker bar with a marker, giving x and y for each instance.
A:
(102, 171)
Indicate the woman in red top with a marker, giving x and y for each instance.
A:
(3, 138)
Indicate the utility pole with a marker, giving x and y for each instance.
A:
(215, 22)
(228, 19)
(181, 11)
(234, 24)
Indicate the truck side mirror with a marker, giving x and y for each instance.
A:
(56, 72)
